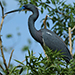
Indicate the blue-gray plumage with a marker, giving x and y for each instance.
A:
(44, 36)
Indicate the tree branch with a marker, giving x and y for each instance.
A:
(4, 61)
(3, 16)
(45, 22)
(70, 41)
(70, 36)
(2, 67)
(2, 9)
(72, 28)
(10, 58)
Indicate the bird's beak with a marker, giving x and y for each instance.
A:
(20, 9)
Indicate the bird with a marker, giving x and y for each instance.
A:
(45, 37)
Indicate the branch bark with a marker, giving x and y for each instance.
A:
(3, 16)
(4, 61)
(72, 28)
(70, 41)
(45, 22)
(70, 36)
(2, 67)
(10, 58)
(2, 9)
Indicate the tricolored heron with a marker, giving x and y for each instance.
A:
(44, 36)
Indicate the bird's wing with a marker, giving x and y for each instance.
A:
(54, 42)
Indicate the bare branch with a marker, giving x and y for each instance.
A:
(4, 61)
(2, 9)
(2, 67)
(10, 58)
(2, 22)
(45, 22)
(3, 16)
(73, 28)
(49, 16)
(70, 36)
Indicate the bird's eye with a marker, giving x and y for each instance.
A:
(23, 7)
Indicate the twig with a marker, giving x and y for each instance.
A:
(2, 67)
(70, 35)
(2, 22)
(22, 61)
(49, 16)
(10, 58)
(2, 9)
(3, 16)
(72, 28)
(45, 22)
(38, 8)
(4, 61)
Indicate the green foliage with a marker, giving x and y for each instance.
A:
(43, 65)
(25, 48)
(18, 33)
(9, 36)
(52, 65)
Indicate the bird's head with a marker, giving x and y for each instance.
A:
(24, 7)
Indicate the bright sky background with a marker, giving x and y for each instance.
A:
(18, 22)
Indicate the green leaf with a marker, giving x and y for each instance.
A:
(29, 41)
(25, 48)
(4, 3)
(48, 24)
(53, 1)
(28, 52)
(22, 69)
(19, 62)
(18, 33)
(9, 36)
(41, 9)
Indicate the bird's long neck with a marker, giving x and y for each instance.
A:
(31, 21)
